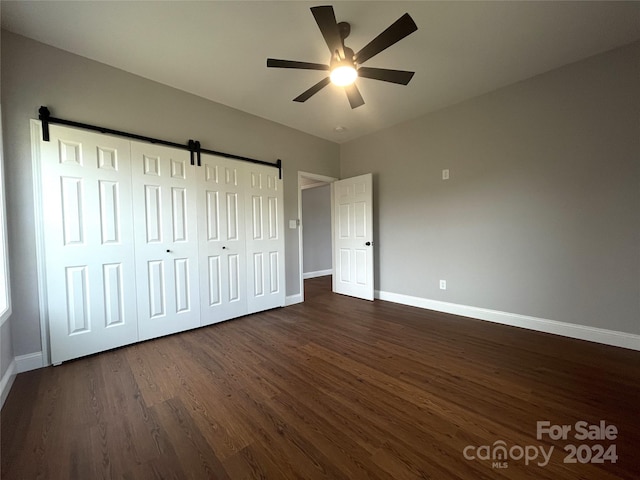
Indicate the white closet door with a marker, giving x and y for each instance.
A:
(221, 231)
(265, 238)
(164, 197)
(89, 248)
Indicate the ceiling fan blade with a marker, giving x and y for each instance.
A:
(401, 77)
(274, 62)
(303, 97)
(353, 94)
(397, 31)
(326, 20)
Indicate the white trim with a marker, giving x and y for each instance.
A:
(293, 299)
(318, 273)
(581, 332)
(5, 281)
(36, 135)
(28, 362)
(7, 381)
(313, 185)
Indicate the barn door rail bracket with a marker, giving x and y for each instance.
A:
(193, 146)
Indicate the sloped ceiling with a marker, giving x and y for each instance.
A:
(218, 50)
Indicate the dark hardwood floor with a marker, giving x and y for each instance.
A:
(333, 388)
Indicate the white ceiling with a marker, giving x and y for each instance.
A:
(218, 49)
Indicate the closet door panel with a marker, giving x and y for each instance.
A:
(265, 238)
(88, 239)
(139, 243)
(164, 193)
(221, 243)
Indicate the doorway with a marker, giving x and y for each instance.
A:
(314, 193)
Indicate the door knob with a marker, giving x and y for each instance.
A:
(368, 244)
(224, 248)
(168, 251)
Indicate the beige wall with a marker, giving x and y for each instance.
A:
(541, 214)
(76, 88)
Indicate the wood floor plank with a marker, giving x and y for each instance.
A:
(284, 441)
(15, 419)
(251, 463)
(43, 431)
(147, 362)
(333, 442)
(194, 453)
(206, 389)
(331, 388)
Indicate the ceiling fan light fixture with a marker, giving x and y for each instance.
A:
(343, 74)
(345, 66)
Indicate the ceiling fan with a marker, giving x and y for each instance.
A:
(345, 65)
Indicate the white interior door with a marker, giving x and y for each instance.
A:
(164, 205)
(221, 232)
(264, 238)
(88, 237)
(353, 236)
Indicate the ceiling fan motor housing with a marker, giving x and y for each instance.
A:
(349, 60)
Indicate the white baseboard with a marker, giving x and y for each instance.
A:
(319, 273)
(6, 382)
(31, 361)
(581, 332)
(293, 299)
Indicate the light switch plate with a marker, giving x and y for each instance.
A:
(293, 224)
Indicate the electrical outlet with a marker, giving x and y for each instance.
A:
(443, 284)
(445, 174)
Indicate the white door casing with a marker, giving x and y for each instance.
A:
(264, 238)
(166, 247)
(221, 234)
(353, 236)
(88, 238)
